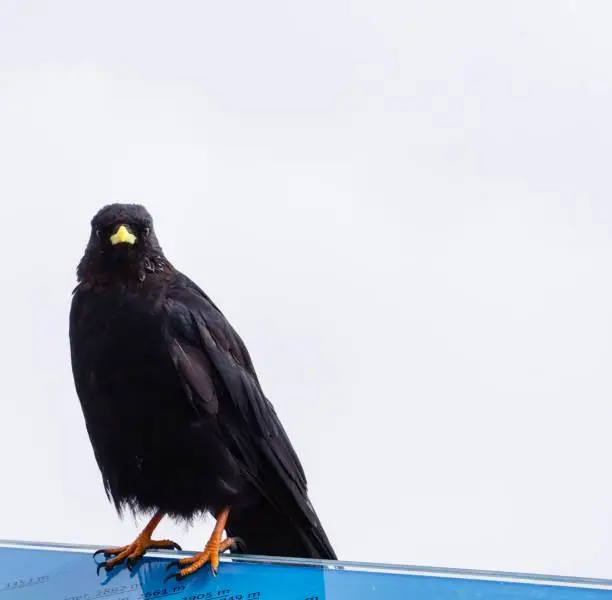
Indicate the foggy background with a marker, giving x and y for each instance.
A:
(403, 208)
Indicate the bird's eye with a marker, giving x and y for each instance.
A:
(98, 233)
(147, 231)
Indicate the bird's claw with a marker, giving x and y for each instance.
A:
(176, 575)
(132, 553)
(102, 565)
(172, 563)
(109, 564)
(179, 575)
(191, 564)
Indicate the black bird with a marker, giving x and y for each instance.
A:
(174, 410)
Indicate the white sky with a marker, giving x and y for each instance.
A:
(405, 210)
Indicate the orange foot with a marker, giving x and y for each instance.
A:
(213, 548)
(134, 551)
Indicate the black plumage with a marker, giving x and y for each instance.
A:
(177, 418)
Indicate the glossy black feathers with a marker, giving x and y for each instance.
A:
(173, 407)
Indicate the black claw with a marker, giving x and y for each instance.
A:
(101, 551)
(175, 546)
(176, 576)
(102, 565)
(172, 563)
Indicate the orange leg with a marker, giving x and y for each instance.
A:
(211, 551)
(137, 548)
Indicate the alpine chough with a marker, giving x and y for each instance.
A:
(173, 407)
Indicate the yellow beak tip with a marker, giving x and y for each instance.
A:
(122, 236)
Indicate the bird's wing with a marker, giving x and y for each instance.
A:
(195, 370)
(214, 362)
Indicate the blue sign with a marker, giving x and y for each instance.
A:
(37, 572)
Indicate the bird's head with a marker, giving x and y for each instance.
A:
(122, 244)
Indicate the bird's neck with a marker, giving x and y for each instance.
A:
(98, 273)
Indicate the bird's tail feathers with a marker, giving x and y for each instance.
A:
(269, 531)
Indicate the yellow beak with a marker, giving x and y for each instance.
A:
(122, 236)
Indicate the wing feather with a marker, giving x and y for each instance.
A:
(194, 369)
(197, 325)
